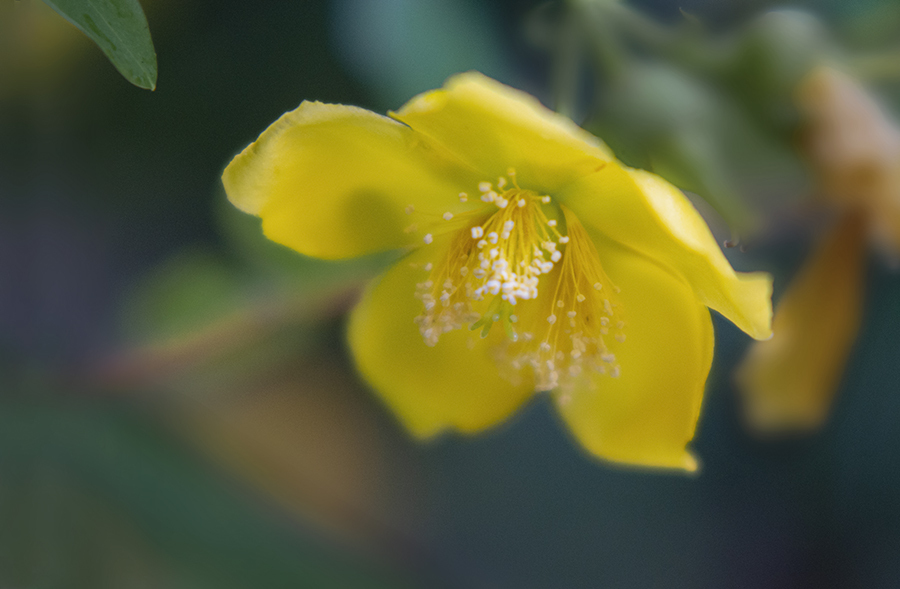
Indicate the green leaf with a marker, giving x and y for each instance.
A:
(120, 29)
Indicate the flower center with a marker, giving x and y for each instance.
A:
(511, 264)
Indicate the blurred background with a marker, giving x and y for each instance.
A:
(177, 407)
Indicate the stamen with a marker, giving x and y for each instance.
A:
(501, 260)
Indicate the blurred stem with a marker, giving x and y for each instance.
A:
(567, 64)
(645, 30)
(686, 44)
(593, 15)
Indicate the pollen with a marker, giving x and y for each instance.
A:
(509, 271)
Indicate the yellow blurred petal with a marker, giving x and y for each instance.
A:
(455, 384)
(789, 381)
(853, 145)
(333, 181)
(494, 127)
(647, 415)
(644, 212)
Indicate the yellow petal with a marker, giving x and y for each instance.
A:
(494, 127)
(455, 384)
(646, 213)
(789, 381)
(333, 181)
(647, 415)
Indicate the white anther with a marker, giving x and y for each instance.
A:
(447, 216)
(508, 226)
(551, 223)
(484, 186)
(477, 232)
(560, 304)
(564, 239)
(493, 286)
(494, 252)
(551, 319)
(555, 256)
(428, 238)
(492, 237)
(505, 235)
(513, 319)
(597, 286)
(521, 203)
(429, 266)
(501, 202)
(464, 270)
(620, 337)
(571, 314)
(545, 347)
(481, 243)
(580, 298)
(545, 199)
(501, 182)
(550, 246)
(463, 197)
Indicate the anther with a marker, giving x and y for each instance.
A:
(448, 215)
(463, 197)
(477, 232)
(428, 238)
(409, 209)
(484, 186)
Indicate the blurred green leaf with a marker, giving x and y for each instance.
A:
(120, 29)
(100, 495)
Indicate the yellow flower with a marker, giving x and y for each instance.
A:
(536, 262)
